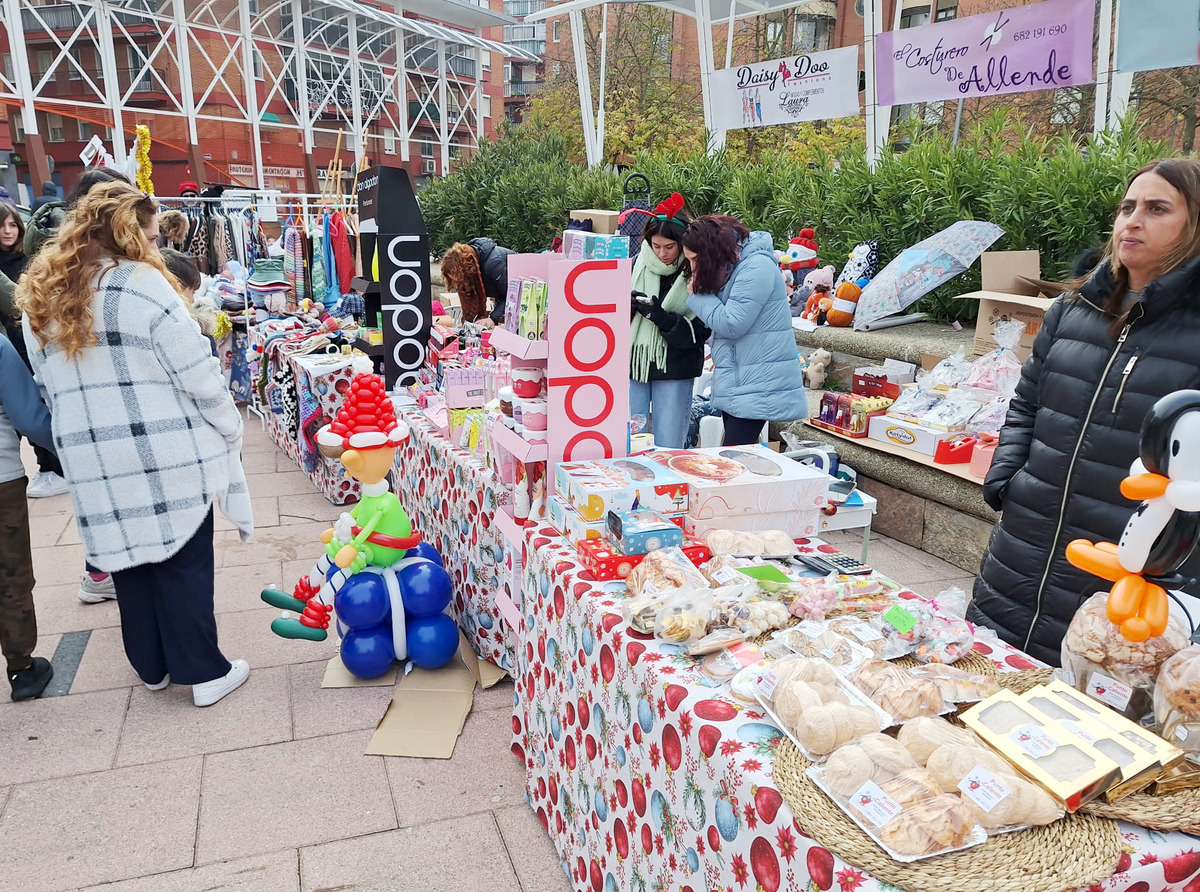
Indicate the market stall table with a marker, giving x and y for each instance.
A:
(649, 776)
(452, 498)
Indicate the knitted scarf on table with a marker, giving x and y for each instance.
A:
(647, 347)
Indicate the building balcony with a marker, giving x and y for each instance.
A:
(520, 8)
(537, 47)
(65, 17)
(521, 89)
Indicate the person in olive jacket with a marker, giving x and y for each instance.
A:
(1109, 348)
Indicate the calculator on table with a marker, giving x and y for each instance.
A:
(834, 562)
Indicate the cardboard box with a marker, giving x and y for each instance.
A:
(574, 528)
(745, 481)
(604, 222)
(1006, 295)
(593, 488)
(604, 561)
(906, 434)
(797, 524)
(642, 531)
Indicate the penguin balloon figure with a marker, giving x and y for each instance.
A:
(1163, 531)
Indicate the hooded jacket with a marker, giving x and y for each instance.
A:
(493, 265)
(756, 370)
(49, 194)
(1071, 435)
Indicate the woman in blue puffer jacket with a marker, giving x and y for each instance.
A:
(738, 292)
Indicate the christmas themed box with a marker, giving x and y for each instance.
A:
(574, 528)
(748, 482)
(642, 531)
(796, 524)
(604, 561)
(593, 488)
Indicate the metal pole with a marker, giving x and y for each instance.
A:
(704, 44)
(957, 123)
(870, 95)
(1122, 81)
(302, 100)
(401, 86)
(729, 34)
(480, 91)
(39, 170)
(108, 68)
(251, 89)
(443, 107)
(1103, 66)
(360, 134)
(186, 89)
(583, 78)
(603, 72)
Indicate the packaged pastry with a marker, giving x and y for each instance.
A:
(774, 543)
(925, 734)
(957, 686)
(684, 616)
(1059, 759)
(865, 633)
(1098, 660)
(641, 610)
(864, 595)
(944, 640)
(811, 639)
(894, 800)
(715, 641)
(745, 608)
(726, 664)
(664, 570)
(1177, 699)
(814, 598)
(898, 692)
(815, 707)
(722, 569)
(744, 684)
(998, 797)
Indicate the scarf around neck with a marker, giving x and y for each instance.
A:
(647, 346)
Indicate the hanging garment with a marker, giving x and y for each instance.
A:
(200, 246)
(333, 291)
(319, 282)
(339, 236)
(293, 262)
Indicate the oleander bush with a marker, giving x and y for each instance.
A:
(1058, 195)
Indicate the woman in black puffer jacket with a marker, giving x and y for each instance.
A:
(1108, 349)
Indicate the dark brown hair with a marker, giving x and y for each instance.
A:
(672, 229)
(7, 210)
(1184, 175)
(461, 273)
(182, 267)
(716, 240)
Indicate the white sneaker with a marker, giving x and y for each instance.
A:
(166, 680)
(93, 592)
(209, 692)
(45, 484)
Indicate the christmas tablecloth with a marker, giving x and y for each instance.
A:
(452, 497)
(649, 777)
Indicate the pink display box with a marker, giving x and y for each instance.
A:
(464, 388)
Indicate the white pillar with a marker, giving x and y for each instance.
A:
(584, 79)
(301, 57)
(20, 64)
(186, 89)
(443, 106)
(603, 78)
(360, 135)
(108, 69)
(704, 45)
(251, 90)
(729, 34)
(400, 89)
(1104, 66)
(872, 13)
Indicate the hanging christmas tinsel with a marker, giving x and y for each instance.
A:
(144, 166)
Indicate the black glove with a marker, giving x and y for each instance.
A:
(660, 317)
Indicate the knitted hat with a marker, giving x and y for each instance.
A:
(801, 252)
(188, 186)
(367, 419)
(268, 275)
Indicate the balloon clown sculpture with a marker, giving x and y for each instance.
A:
(388, 589)
(1163, 531)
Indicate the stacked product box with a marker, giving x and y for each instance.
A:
(746, 488)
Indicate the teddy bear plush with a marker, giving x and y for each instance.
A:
(863, 263)
(845, 302)
(817, 369)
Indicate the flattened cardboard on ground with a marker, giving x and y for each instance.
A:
(427, 711)
(487, 673)
(338, 676)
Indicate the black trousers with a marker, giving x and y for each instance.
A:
(167, 620)
(740, 431)
(18, 625)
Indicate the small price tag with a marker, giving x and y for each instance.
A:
(900, 620)
(828, 654)
(1109, 691)
(1083, 735)
(726, 575)
(984, 788)
(767, 682)
(864, 633)
(875, 805)
(1181, 733)
(649, 588)
(1033, 741)
(809, 629)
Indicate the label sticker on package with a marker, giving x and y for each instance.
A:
(1068, 677)
(1109, 691)
(875, 805)
(727, 574)
(809, 629)
(864, 633)
(1083, 735)
(1181, 733)
(984, 788)
(900, 619)
(767, 682)
(1033, 741)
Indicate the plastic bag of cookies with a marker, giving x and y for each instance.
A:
(957, 686)
(897, 802)
(665, 570)
(899, 692)
(1000, 799)
(815, 707)
(1177, 699)
(1098, 660)
(684, 616)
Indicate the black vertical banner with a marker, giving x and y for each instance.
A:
(402, 244)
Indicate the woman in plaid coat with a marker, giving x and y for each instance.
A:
(147, 433)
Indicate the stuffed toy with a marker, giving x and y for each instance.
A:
(845, 302)
(817, 369)
(824, 305)
(813, 305)
(820, 276)
(801, 252)
(863, 263)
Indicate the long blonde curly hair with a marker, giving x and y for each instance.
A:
(105, 227)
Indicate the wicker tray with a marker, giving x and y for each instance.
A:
(1076, 852)
(1174, 811)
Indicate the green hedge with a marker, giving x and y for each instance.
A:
(1054, 195)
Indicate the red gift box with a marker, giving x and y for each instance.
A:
(603, 561)
(697, 552)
